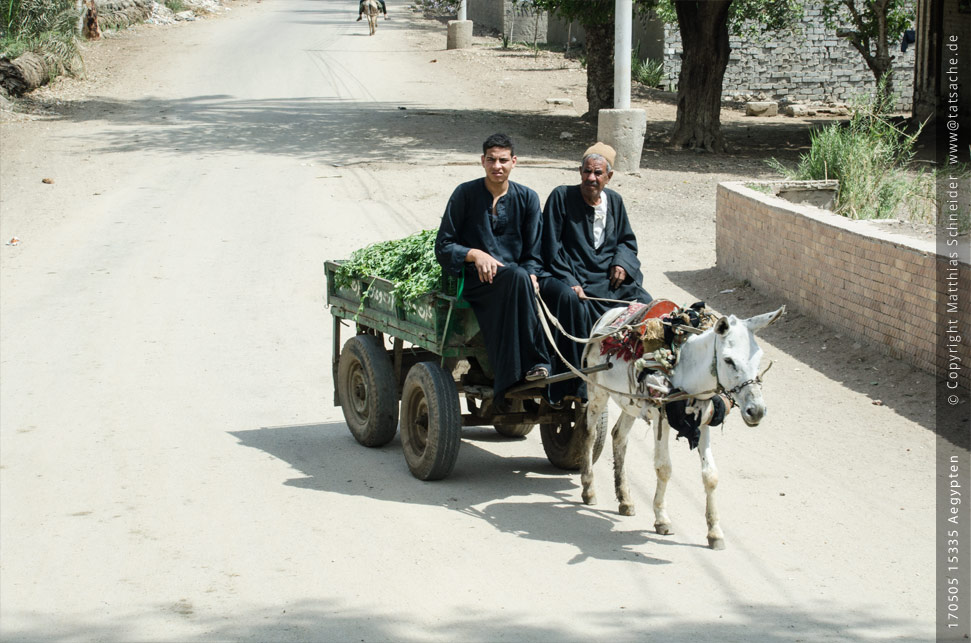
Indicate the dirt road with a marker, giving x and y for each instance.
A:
(171, 465)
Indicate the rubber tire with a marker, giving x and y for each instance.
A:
(367, 391)
(431, 421)
(564, 445)
(514, 430)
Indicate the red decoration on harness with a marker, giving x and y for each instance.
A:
(628, 345)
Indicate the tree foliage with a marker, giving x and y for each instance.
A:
(597, 19)
(750, 19)
(704, 31)
(47, 27)
(872, 27)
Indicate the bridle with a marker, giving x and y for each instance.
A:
(732, 392)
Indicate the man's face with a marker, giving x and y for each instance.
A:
(498, 163)
(594, 177)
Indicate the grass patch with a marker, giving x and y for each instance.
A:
(871, 158)
(760, 187)
(176, 6)
(46, 27)
(647, 72)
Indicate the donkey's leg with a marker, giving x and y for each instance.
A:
(620, 433)
(595, 406)
(662, 466)
(709, 475)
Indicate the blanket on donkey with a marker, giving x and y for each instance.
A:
(645, 321)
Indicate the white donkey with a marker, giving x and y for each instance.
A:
(723, 358)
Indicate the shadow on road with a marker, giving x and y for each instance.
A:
(853, 363)
(328, 129)
(483, 485)
(335, 620)
(343, 130)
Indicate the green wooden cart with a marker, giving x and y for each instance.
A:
(423, 358)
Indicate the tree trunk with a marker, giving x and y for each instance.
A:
(880, 61)
(25, 73)
(600, 68)
(882, 67)
(704, 36)
(927, 66)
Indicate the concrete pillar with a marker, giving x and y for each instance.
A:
(623, 19)
(623, 130)
(459, 34)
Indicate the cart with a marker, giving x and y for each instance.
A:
(436, 355)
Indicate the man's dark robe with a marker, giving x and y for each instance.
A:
(505, 308)
(572, 260)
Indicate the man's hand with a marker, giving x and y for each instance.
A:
(579, 291)
(617, 276)
(485, 264)
(535, 283)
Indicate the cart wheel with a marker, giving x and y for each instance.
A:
(431, 422)
(367, 391)
(564, 444)
(514, 430)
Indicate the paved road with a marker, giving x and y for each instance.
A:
(172, 465)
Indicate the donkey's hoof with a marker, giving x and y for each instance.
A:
(626, 509)
(716, 543)
(663, 528)
(589, 498)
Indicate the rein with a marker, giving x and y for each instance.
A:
(545, 313)
(657, 401)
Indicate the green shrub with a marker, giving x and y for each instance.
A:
(869, 156)
(176, 5)
(647, 72)
(47, 27)
(409, 263)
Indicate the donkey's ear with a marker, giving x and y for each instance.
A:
(759, 322)
(722, 326)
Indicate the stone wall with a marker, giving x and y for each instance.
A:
(878, 286)
(513, 22)
(811, 65)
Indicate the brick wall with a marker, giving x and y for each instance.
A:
(878, 286)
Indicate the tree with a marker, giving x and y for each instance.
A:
(927, 63)
(704, 38)
(705, 26)
(597, 19)
(871, 26)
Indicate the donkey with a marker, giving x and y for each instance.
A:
(371, 10)
(723, 358)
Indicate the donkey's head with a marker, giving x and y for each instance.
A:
(737, 358)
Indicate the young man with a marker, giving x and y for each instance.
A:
(590, 251)
(490, 233)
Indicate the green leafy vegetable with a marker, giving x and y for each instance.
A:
(408, 263)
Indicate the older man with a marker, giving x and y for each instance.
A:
(490, 233)
(590, 254)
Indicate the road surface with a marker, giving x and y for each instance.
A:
(172, 466)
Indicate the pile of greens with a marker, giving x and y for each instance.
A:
(408, 263)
